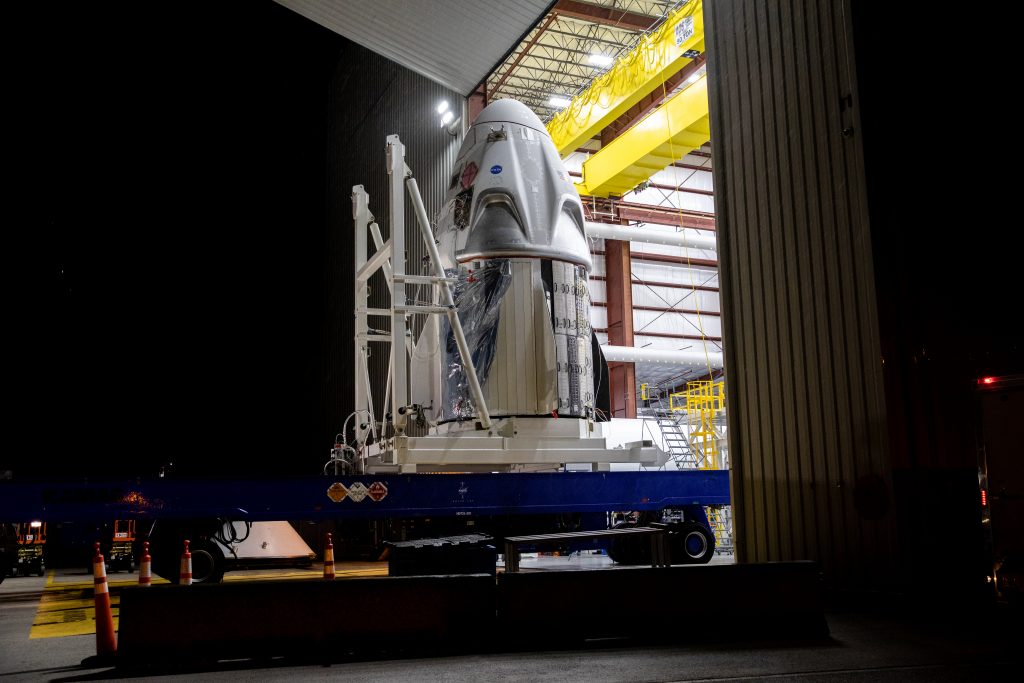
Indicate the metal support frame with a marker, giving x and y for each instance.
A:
(396, 201)
(389, 257)
(657, 536)
(483, 416)
(363, 399)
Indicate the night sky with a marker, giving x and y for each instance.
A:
(164, 285)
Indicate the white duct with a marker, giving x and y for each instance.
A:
(628, 354)
(630, 233)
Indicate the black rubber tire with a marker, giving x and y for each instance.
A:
(691, 543)
(629, 550)
(207, 563)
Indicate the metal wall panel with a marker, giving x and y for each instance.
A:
(455, 42)
(811, 478)
(372, 97)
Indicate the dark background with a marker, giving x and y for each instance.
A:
(179, 285)
(165, 283)
(171, 264)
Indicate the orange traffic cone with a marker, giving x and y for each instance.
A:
(329, 559)
(106, 645)
(186, 567)
(146, 567)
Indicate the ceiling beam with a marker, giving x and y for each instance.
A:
(650, 101)
(526, 50)
(606, 16)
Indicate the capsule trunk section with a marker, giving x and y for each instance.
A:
(512, 236)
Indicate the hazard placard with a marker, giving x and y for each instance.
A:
(357, 491)
(337, 492)
(377, 491)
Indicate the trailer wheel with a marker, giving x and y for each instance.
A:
(207, 563)
(629, 550)
(692, 543)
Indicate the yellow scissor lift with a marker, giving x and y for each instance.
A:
(31, 542)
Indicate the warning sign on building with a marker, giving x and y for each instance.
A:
(377, 491)
(357, 491)
(337, 492)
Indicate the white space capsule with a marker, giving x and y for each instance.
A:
(512, 233)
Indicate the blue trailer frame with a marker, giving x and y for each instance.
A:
(393, 496)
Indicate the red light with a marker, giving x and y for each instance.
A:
(984, 498)
(987, 380)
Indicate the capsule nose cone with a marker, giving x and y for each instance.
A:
(510, 111)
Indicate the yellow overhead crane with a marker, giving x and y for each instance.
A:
(678, 126)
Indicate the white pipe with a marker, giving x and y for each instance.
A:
(628, 354)
(610, 231)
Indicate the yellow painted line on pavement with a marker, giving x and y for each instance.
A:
(367, 571)
(68, 609)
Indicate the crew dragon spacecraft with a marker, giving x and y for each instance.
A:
(512, 231)
(505, 371)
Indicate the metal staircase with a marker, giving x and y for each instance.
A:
(694, 434)
(671, 426)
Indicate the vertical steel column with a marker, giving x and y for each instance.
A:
(396, 202)
(622, 376)
(361, 219)
(476, 103)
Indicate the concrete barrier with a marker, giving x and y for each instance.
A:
(310, 619)
(679, 604)
(315, 620)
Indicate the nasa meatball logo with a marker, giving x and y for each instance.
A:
(495, 170)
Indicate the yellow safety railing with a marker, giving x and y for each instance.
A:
(635, 75)
(701, 401)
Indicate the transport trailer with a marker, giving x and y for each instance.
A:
(497, 504)
(374, 496)
(493, 416)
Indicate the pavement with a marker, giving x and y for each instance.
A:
(46, 631)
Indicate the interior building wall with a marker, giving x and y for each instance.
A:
(370, 98)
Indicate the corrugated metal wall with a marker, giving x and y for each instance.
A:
(372, 97)
(811, 478)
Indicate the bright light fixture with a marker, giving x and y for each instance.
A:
(598, 59)
(36, 525)
(558, 101)
(443, 107)
(446, 118)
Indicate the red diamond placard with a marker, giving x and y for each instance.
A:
(377, 491)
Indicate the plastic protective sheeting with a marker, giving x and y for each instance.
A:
(478, 295)
(527, 322)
